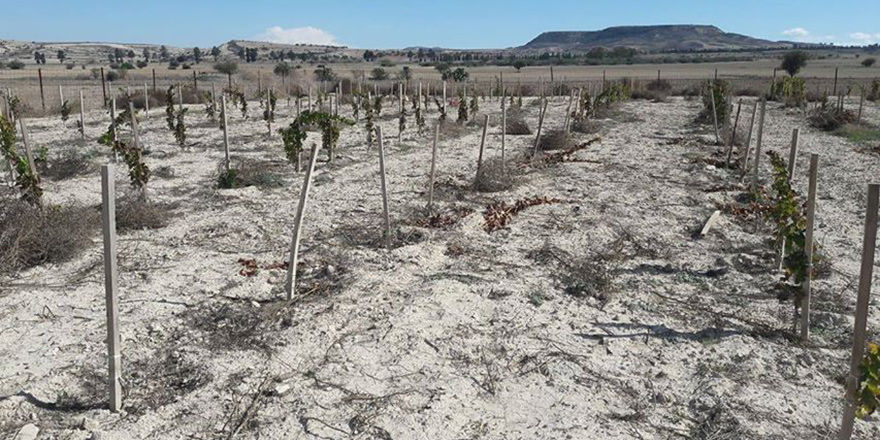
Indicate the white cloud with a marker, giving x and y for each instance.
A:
(865, 38)
(802, 35)
(797, 32)
(304, 35)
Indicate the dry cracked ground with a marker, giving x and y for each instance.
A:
(590, 313)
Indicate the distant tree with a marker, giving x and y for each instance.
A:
(141, 64)
(146, 54)
(215, 52)
(283, 69)
(163, 53)
(519, 64)
(118, 54)
(228, 67)
(130, 54)
(378, 74)
(410, 54)
(369, 56)
(868, 62)
(173, 64)
(197, 55)
(405, 73)
(324, 74)
(794, 61)
(443, 69)
(459, 75)
(15, 65)
(61, 56)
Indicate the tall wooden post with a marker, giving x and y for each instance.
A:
(482, 145)
(384, 188)
(297, 224)
(154, 80)
(108, 211)
(834, 90)
(859, 330)
(808, 246)
(225, 132)
(104, 87)
(42, 95)
(196, 82)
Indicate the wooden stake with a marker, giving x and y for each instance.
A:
(225, 131)
(297, 224)
(808, 246)
(108, 211)
(82, 114)
(568, 111)
(792, 152)
(503, 127)
(433, 168)
(715, 115)
(540, 125)
(113, 126)
(834, 91)
(42, 96)
(25, 140)
(61, 95)
(867, 271)
(154, 81)
(732, 140)
(135, 137)
(146, 101)
(757, 168)
(384, 188)
(104, 87)
(861, 105)
(482, 145)
(745, 159)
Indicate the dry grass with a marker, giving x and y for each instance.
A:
(71, 163)
(31, 236)
(133, 214)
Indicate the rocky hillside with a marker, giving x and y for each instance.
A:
(649, 39)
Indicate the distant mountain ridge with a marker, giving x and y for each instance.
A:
(658, 38)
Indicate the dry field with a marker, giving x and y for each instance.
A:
(754, 75)
(590, 313)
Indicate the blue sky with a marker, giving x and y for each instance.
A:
(445, 23)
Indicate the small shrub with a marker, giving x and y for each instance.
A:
(868, 62)
(555, 140)
(874, 91)
(30, 235)
(15, 65)
(493, 176)
(71, 163)
(794, 61)
(792, 91)
(827, 117)
(246, 173)
(516, 123)
(868, 393)
(719, 91)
